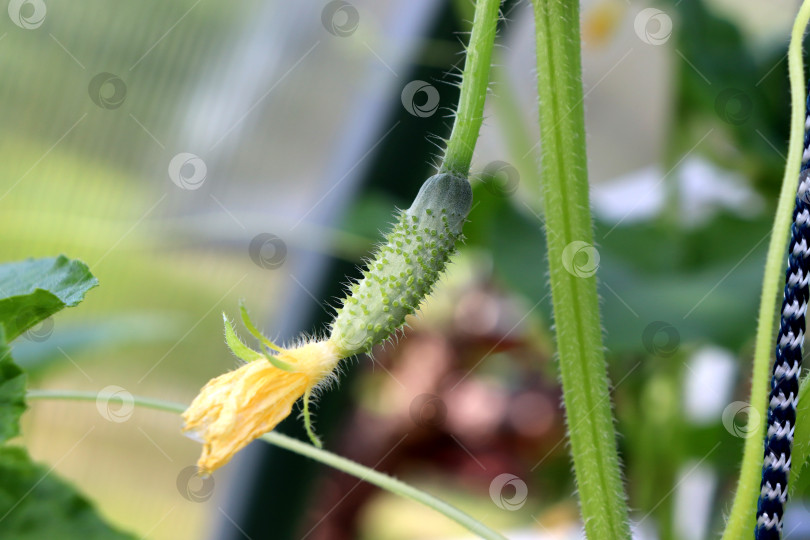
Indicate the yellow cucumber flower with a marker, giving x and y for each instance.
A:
(237, 407)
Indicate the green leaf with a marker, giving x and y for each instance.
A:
(34, 289)
(30, 292)
(12, 393)
(35, 504)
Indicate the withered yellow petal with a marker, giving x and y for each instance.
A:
(233, 409)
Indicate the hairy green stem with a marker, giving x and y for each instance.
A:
(362, 472)
(470, 112)
(742, 519)
(572, 264)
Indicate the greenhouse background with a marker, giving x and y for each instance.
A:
(195, 153)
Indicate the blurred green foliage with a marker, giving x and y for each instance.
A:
(667, 287)
(56, 511)
(84, 180)
(32, 291)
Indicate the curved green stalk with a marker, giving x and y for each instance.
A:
(572, 265)
(470, 112)
(362, 472)
(741, 521)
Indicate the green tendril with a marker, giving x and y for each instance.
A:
(366, 474)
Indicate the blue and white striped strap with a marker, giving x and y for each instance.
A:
(787, 366)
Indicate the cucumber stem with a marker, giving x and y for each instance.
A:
(569, 235)
(470, 111)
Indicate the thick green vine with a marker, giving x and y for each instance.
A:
(572, 264)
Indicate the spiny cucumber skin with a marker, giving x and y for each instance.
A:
(405, 267)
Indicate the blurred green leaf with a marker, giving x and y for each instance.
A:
(35, 504)
(76, 339)
(370, 217)
(721, 84)
(12, 393)
(699, 285)
(34, 289)
(658, 247)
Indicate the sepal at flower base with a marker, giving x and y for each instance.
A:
(233, 409)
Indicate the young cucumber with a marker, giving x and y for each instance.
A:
(405, 267)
